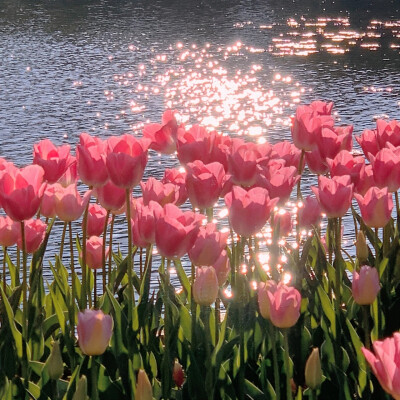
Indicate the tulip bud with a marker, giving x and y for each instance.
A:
(205, 286)
(144, 391)
(177, 374)
(361, 247)
(313, 371)
(365, 285)
(54, 363)
(81, 389)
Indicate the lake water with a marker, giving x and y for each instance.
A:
(108, 67)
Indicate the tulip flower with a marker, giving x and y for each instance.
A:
(386, 168)
(176, 231)
(365, 285)
(177, 374)
(322, 107)
(316, 163)
(49, 200)
(110, 196)
(285, 304)
(222, 267)
(9, 231)
(313, 370)
(385, 363)
(94, 331)
(91, 157)
(220, 148)
(332, 140)
(310, 213)
(96, 220)
(288, 152)
(162, 193)
(346, 164)
(205, 286)
(70, 205)
(204, 183)
(144, 391)
(208, 245)
(94, 248)
(126, 160)
(388, 132)
(35, 232)
(369, 143)
(376, 207)
(334, 195)
(54, 160)
(21, 191)
(361, 247)
(365, 180)
(178, 178)
(194, 144)
(264, 304)
(283, 222)
(248, 211)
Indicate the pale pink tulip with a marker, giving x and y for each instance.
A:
(365, 285)
(205, 286)
(70, 205)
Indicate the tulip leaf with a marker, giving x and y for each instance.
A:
(328, 309)
(59, 311)
(253, 391)
(183, 278)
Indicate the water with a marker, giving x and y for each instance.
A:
(108, 67)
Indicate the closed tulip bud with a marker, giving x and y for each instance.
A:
(264, 304)
(55, 363)
(205, 286)
(365, 285)
(313, 371)
(177, 374)
(361, 247)
(81, 389)
(144, 391)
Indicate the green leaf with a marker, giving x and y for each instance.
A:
(59, 310)
(328, 309)
(184, 280)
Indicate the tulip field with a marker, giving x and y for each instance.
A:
(269, 304)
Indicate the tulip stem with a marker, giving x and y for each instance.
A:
(217, 318)
(63, 240)
(24, 306)
(338, 234)
(129, 259)
(84, 268)
(287, 365)
(299, 168)
(313, 394)
(95, 373)
(396, 196)
(103, 252)
(95, 289)
(141, 262)
(193, 307)
(376, 245)
(365, 311)
(209, 212)
(4, 269)
(110, 248)
(241, 355)
(273, 335)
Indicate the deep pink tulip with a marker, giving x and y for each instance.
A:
(332, 140)
(94, 252)
(386, 168)
(96, 220)
(94, 331)
(283, 222)
(49, 200)
(144, 223)
(288, 152)
(176, 231)
(178, 178)
(70, 205)
(204, 183)
(264, 304)
(376, 207)
(322, 107)
(162, 193)
(9, 231)
(194, 144)
(208, 245)
(54, 160)
(205, 286)
(285, 304)
(365, 285)
(388, 132)
(346, 164)
(385, 363)
(365, 181)
(369, 143)
(249, 211)
(316, 163)
(309, 213)
(334, 195)
(21, 191)
(91, 157)
(177, 374)
(222, 267)
(220, 148)
(70, 176)
(35, 232)
(111, 197)
(126, 160)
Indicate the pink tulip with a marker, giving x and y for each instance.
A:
(35, 232)
(205, 286)
(334, 195)
(194, 144)
(248, 211)
(332, 140)
(94, 252)
(388, 132)
(365, 285)
(222, 267)
(264, 304)
(144, 223)
(309, 213)
(316, 163)
(288, 152)
(220, 148)
(126, 160)
(70, 205)
(285, 304)
(369, 143)
(111, 197)
(144, 390)
(376, 207)
(208, 245)
(385, 363)
(322, 107)
(177, 374)
(9, 231)
(70, 176)
(96, 220)
(49, 200)
(386, 168)
(94, 331)
(21, 191)
(162, 193)
(176, 231)
(91, 157)
(178, 178)
(54, 160)
(283, 222)
(346, 164)
(204, 183)
(366, 180)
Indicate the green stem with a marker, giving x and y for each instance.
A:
(129, 259)
(241, 355)
(273, 335)
(287, 365)
(376, 245)
(84, 267)
(365, 311)
(209, 212)
(103, 252)
(95, 373)
(4, 269)
(110, 248)
(24, 306)
(71, 249)
(141, 262)
(193, 307)
(338, 272)
(314, 394)
(217, 318)
(299, 195)
(63, 240)
(396, 196)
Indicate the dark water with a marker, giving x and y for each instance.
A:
(108, 67)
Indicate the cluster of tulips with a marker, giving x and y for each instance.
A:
(270, 306)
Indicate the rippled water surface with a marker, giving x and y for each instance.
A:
(108, 67)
